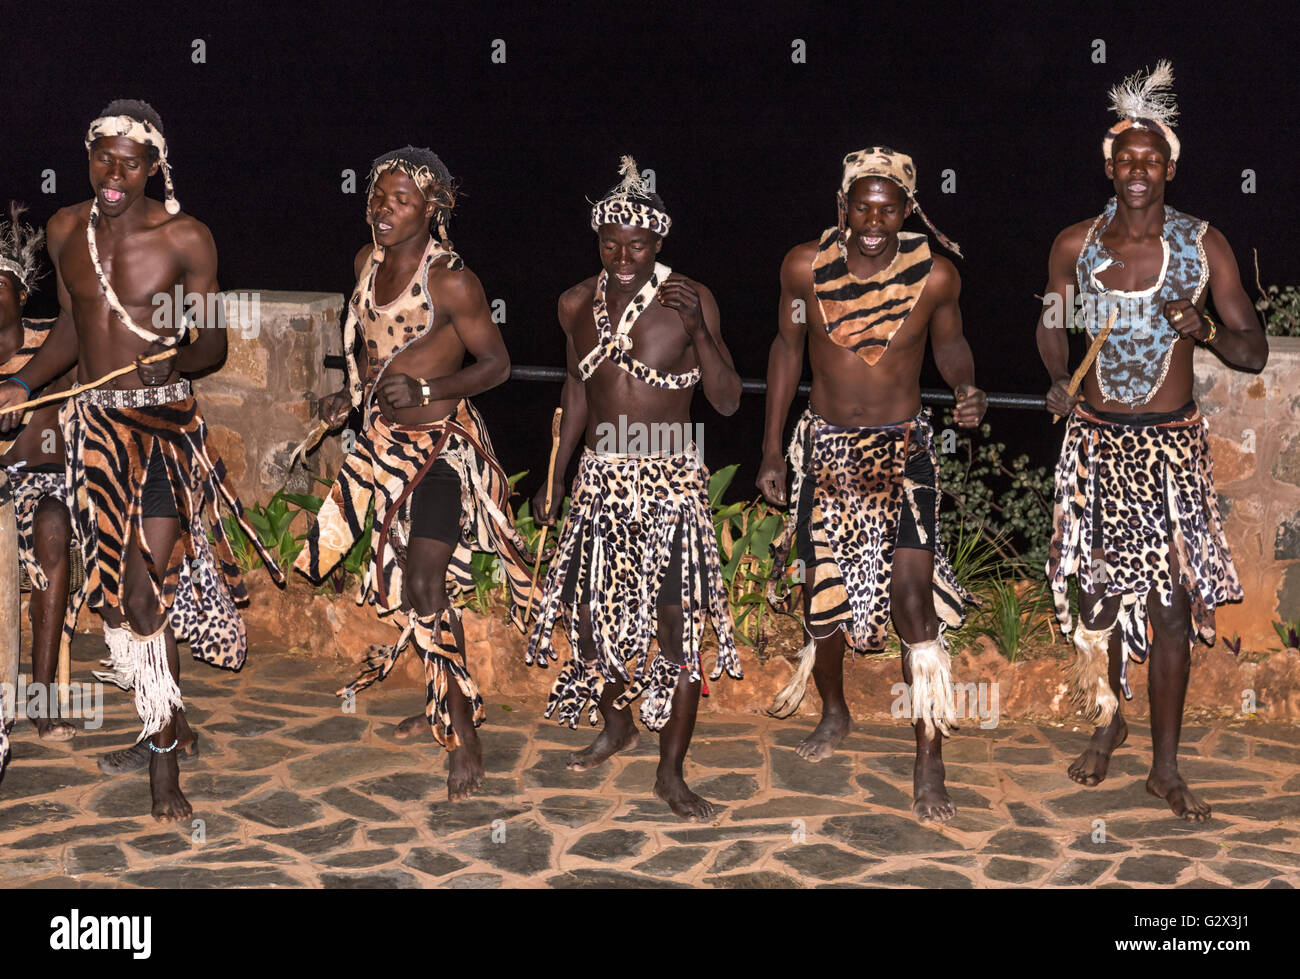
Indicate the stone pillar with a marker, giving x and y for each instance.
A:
(261, 403)
(1255, 437)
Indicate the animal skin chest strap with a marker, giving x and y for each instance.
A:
(110, 295)
(615, 345)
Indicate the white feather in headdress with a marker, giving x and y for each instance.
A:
(20, 244)
(632, 184)
(1147, 96)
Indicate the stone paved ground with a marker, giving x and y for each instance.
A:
(292, 792)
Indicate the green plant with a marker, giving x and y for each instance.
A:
(1288, 632)
(1009, 620)
(246, 557)
(1281, 309)
(1007, 502)
(745, 534)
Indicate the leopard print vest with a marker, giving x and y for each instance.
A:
(392, 327)
(615, 345)
(863, 315)
(1135, 358)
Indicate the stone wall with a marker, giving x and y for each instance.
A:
(261, 404)
(1255, 436)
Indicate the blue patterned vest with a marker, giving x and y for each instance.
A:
(1134, 360)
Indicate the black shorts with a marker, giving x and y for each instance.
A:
(670, 593)
(1120, 418)
(435, 504)
(920, 470)
(157, 499)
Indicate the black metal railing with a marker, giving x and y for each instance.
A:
(755, 385)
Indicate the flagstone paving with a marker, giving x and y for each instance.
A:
(291, 791)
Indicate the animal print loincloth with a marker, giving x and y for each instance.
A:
(1155, 485)
(385, 466)
(29, 488)
(856, 476)
(110, 437)
(627, 514)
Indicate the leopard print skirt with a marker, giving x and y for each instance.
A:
(856, 476)
(627, 512)
(1156, 489)
(29, 488)
(199, 585)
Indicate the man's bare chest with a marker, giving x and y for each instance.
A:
(139, 269)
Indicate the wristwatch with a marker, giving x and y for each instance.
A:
(425, 394)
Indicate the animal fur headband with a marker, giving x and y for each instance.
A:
(629, 203)
(888, 164)
(1145, 102)
(431, 176)
(142, 132)
(20, 244)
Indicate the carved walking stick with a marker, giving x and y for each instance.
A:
(1077, 377)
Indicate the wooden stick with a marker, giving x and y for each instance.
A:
(1081, 371)
(550, 485)
(78, 388)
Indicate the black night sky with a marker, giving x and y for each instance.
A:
(745, 143)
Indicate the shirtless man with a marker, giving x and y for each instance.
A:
(33, 455)
(419, 312)
(1148, 265)
(638, 557)
(865, 497)
(137, 458)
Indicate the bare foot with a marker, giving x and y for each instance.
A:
(608, 742)
(465, 769)
(681, 800)
(930, 802)
(826, 736)
(1181, 799)
(138, 756)
(1091, 766)
(51, 730)
(169, 804)
(411, 727)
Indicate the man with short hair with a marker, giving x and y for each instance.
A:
(1136, 516)
(865, 500)
(424, 457)
(143, 483)
(638, 556)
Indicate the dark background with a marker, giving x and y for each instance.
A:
(746, 146)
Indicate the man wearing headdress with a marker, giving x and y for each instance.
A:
(638, 556)
(864, 297)
(1136, 515)
(33, 457)
(424, 460)
(143, 486)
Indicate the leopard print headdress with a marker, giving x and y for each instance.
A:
(630, 203)
(433, 178)
(20, 246)
(889, 164)
(118, 122)
(1145, 102)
